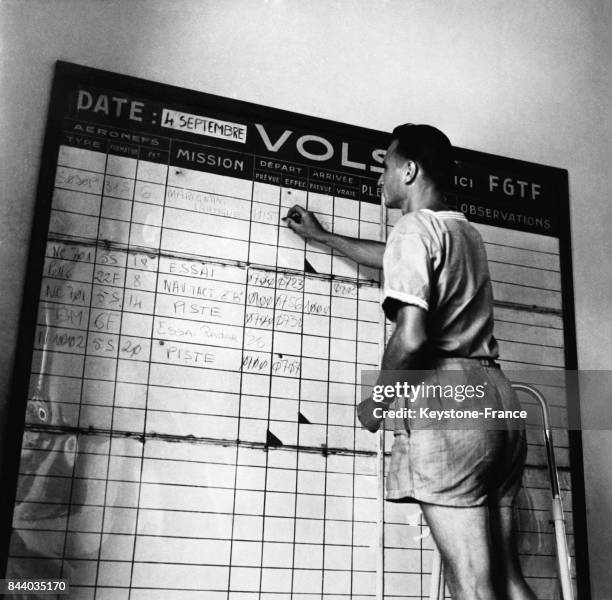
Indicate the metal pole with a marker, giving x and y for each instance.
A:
(380, 517)
(380, 471)
(563, 558)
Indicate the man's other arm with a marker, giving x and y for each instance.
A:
(403, 352)
(365, 252)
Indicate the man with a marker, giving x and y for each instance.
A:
(437, 290)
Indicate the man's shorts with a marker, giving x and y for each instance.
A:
(466, 467)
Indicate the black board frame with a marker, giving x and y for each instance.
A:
(66, 74)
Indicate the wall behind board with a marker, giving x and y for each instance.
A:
(525, 80)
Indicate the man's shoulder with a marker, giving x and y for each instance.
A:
(426, 223)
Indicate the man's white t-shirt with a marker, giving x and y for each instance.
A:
(437, 260)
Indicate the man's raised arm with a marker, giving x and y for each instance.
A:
(366, 252)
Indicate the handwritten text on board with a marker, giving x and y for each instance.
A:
(224, 130)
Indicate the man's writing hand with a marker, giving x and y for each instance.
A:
(304, 223)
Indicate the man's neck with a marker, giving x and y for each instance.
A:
(427, 196)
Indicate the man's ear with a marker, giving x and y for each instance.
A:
(411, 169)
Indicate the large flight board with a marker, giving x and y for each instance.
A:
(183, 420)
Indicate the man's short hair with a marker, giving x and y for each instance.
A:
(429, 147)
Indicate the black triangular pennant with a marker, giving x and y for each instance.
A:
(272, 440)
(308, 268)
(302, 419)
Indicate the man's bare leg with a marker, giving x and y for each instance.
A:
(462, 537)
(506, 564)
